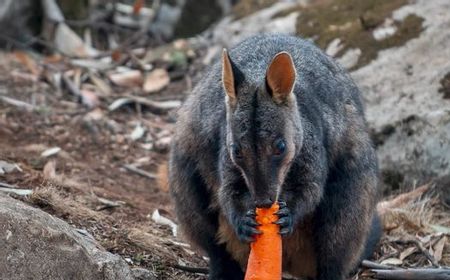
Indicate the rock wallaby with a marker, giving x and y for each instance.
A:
(276, 120)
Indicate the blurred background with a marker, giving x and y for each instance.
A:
(89, 91)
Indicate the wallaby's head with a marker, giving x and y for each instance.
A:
(264, 131)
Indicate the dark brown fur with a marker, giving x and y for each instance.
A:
(226, 159)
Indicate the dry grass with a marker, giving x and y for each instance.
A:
(416, 231)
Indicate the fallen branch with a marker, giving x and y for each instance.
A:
(17, 103)
(412, 274)
(5, 185)
(374, 265)
(138, 171)
(155, 106)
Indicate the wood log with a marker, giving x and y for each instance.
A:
(412, 274)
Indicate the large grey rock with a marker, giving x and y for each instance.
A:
(35, 245)
(229, 31)
(410, 117)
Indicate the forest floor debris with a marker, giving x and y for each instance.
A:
(100, 179)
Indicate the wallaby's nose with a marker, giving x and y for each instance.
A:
(264, 203)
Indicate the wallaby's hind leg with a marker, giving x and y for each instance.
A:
(374, 236)
(371, 242)
(199, 222)
(343, 221)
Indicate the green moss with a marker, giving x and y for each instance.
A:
(353, 21)
(246, 7)
(445, 86)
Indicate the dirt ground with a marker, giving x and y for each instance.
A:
(90, 166)
(96, 145)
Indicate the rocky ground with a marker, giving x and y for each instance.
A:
(83, 141)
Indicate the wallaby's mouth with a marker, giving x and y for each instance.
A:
(264, 203)
(265, 199)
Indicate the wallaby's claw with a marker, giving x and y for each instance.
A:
(246, 227)
(251, 213)
(285, 219)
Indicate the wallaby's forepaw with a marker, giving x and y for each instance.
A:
(285, 219)
(246, 227)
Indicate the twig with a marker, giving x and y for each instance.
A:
(154, 106)
(412, 274)
(422, 249)
(17, 103)
(22, 192)
(5, 185)
(71, 87)
(138, 171)
(201, 270)
(374, 265)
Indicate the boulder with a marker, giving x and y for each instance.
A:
(406, 105)
(229, 31)
(405, 78)
(36, 245)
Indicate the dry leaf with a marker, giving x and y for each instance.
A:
(392, 261)
(406, 253)
(50, 152)
(439, 228)
(156, 80)
(89, 98)
(69, 43)
(53, 58)
(22, 192)
(157, 218)
(138, 132)
(116, 55)
(28, 62)
(129, 78)
(424, 239)
(50, 170)
(439, 248)
(6, 167)
(102, 86)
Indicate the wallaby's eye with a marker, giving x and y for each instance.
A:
(236, 151)
(279, 147)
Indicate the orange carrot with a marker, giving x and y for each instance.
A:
(264, 262)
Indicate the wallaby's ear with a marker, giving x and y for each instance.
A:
(228, 77)
(280, 77)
